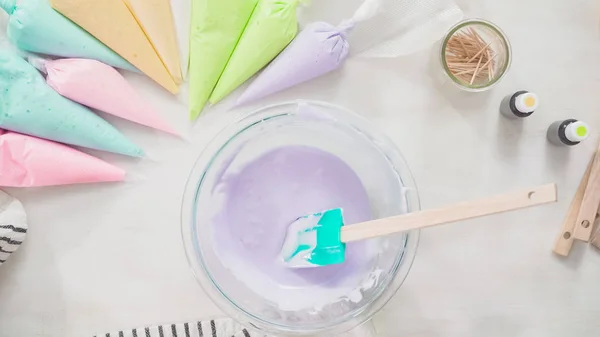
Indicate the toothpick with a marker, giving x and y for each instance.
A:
(459, 64)
(465, 48)
(477, 37)
(476, 70)
(464, 72)
(480, 51)
(488, 65)
(492, 67)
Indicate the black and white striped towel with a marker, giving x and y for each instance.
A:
(13, 225)
(224, 327)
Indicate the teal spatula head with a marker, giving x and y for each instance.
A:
(315, 240)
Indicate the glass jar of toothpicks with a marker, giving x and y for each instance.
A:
(475, 54)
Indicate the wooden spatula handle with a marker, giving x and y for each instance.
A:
(564, 240)
(461, 211)
(596, 239)
(589, 204)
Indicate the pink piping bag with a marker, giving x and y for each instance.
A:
(27, 161)
(98, 86)
(318, 49)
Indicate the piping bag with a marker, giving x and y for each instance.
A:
(272, 26)
(317, 50)
(155, 17)
(13, 226)
(182, 12)
(400, 27)
(35, 27)
(113, 23)
(98, 86)
(216, 29)
(27, 161)
(28, 105)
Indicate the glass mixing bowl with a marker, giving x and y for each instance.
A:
(379, 166)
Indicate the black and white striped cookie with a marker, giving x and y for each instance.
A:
(13, 225)
(224, 327)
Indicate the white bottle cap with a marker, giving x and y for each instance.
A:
(577, 131)
(527, 102)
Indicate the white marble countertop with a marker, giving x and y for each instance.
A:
(107, 257)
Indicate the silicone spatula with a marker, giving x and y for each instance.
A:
(320, 239)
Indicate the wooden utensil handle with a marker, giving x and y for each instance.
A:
(596, 239)
(589, 204)
(461, 211)
(564, 240)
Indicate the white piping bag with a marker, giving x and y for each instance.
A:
(13, 225)
(403, 27)
(400, 27)
(366, 11)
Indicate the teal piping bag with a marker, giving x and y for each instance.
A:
(28, 105)
(35, 27)
(8, 6)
